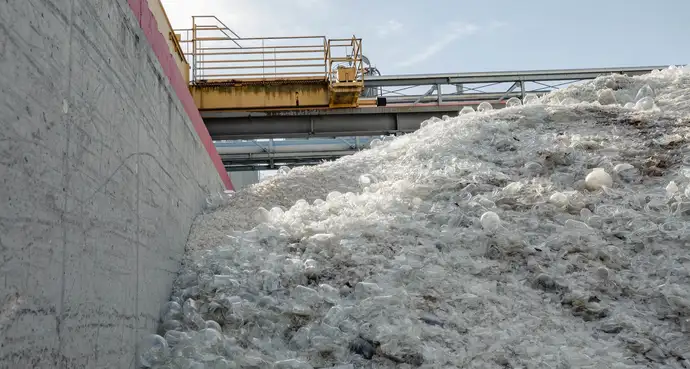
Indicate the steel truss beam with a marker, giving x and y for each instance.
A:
(485, 85)
(501, 77)
(267, 161)
(373, 121)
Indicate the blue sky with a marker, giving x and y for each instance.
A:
(436, 36)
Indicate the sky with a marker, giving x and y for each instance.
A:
(447, 36)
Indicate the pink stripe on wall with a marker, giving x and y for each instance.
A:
(147, 22)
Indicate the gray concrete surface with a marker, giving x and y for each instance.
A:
(242, 180)
(101, 174)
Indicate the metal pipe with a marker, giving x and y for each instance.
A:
(258, 52)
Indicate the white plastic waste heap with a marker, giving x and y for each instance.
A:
(487, 240)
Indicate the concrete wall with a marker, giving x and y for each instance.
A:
(161, 48)
(101, 173)
(244, 179)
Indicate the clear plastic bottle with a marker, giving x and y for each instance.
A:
(153, 350)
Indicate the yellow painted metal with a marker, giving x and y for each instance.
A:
(259, 96)
(344, 95)
(362, 102)
(346, 74)
(344, 85)
(294, 72)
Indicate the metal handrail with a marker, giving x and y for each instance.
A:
(259, 47)
(253, 60)
(225, 28)
(306, 74)
(262, 66)
(216, 53)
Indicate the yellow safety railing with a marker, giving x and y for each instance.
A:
(216, 53)
(344, 58)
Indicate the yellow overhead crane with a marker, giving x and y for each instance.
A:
(269, 73)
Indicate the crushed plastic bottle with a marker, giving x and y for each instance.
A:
(671, 188)
(466, 110)
(276, 212)
(153, 350)
(490, 221)
(644, 92)
(622, 168)
(559, 199)
(568, 101)
(606, 97)
(531, 99)
(598, 178)
(513, 102)
(261, 215)
(485, 107)
(512, 188)
(625, 172)
(425, 123)
(283, 170)
(645, 104)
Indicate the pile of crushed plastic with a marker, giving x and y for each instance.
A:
(553, 233)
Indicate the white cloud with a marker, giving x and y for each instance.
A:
(457, 30)
(390, 27)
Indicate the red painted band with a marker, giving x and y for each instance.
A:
(147, 22)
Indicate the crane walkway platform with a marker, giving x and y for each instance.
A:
(398, 113)
(313, 87)
(293, 73)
